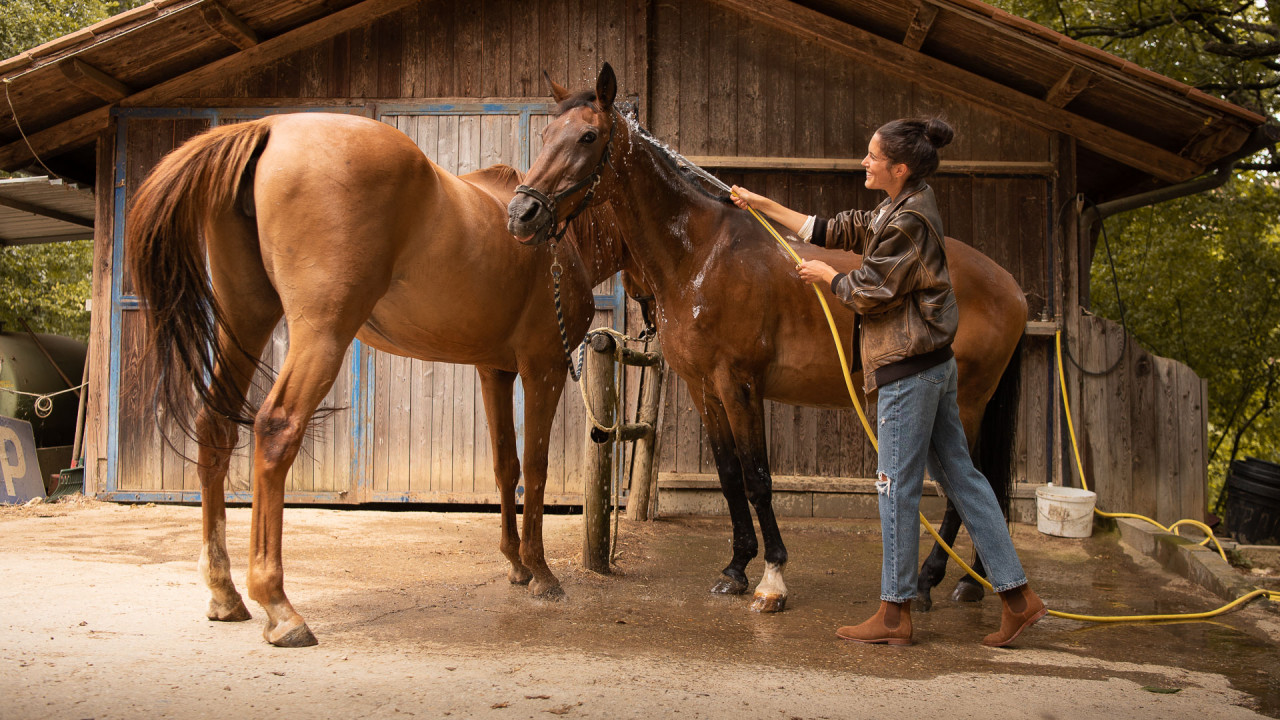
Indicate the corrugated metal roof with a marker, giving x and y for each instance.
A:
(40, 210)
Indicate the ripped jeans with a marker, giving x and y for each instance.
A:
(919, 426)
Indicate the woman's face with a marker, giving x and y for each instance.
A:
(883, 173)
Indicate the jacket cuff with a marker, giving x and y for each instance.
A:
(819, 232)
(836, 281)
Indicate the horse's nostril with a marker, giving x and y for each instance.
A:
(530, 213)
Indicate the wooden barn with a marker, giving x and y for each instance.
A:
(775, 95)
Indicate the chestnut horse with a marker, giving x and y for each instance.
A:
(734, 319)
(342, 226)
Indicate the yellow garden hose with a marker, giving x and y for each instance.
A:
(848, 381)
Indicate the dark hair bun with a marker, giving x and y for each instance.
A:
(938, 132)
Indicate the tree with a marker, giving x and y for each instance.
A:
(47, 285)
(1196, 276)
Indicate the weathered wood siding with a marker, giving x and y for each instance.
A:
(1141, 422)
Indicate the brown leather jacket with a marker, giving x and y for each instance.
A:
(902, 293)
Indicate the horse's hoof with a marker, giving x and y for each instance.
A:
(546, 590)
(290, 637)
(728, 586)
(967, 593)
(922, 603)
(770, 603)
(519, 576)
(228, 612)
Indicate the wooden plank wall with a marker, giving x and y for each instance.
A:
(463, 49)
(734, 89)
(1141, 427)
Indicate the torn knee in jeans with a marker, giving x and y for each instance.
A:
(882, 485)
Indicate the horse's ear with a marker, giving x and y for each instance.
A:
(558, 91)
(606, 87)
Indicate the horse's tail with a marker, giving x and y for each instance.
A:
(994, 452)
(165, 253)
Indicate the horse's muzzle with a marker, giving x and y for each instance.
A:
(528, 220)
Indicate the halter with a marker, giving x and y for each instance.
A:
(589, 182)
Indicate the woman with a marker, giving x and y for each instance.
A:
(907, 321)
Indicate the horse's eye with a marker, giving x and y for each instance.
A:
(588, 137)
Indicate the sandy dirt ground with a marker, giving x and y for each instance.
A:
(102, 616)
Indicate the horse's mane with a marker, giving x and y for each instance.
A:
(664, 154)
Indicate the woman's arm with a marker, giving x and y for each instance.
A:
(785, 216)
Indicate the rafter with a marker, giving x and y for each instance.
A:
(92, 80)
(921, 22)
(1072, 83)
(221, 21)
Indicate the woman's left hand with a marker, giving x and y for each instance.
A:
(816, 271)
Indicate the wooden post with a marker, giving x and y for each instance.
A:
(644, 472)
(598, 379)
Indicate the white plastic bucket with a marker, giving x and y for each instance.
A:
(1064, 511)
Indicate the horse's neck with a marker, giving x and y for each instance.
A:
(599, 241)
(656, 209)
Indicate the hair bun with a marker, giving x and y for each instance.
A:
(938, 132)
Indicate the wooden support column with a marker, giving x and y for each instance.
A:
(598, 379)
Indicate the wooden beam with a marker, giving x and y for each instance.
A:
(1075, 81)
(849, 165)
(94, 81)
(814, 27)
(227, 25)
(69, 133)
(921, 21)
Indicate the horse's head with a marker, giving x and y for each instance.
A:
(575, 150)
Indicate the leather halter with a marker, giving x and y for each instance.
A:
(552, 203)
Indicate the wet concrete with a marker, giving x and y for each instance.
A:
(657, 603)
(428, 585)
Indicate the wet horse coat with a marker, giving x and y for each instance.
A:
(343, 227)
(734, 319)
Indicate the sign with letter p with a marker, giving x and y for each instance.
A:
(19, 468)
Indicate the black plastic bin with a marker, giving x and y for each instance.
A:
(1253, 502)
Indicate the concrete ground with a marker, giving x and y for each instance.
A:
(102, 616)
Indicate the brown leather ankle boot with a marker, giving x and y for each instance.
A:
(890, 625)
(1020, 609)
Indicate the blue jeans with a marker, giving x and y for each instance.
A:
(919, 427)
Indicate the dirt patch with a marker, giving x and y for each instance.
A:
(103, 618)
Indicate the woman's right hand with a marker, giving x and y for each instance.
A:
(744, 198)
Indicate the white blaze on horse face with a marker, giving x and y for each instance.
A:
(771, 584)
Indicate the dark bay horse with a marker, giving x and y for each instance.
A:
(343, 227)
(733, 318)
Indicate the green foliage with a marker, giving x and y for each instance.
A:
(47, 286)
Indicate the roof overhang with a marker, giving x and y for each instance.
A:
(40, 210)
(1132, 126)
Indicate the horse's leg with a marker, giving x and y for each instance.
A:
(934, 567)
(316, 349)
(542, 387)
(744, 408)
(250, 309)
(733, 579)
(497, 387)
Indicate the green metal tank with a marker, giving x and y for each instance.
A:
(24, 367)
